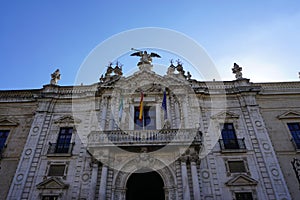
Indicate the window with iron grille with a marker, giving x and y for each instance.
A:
(64, 140)
(236, 166)
(56, 170)
(243, 196)
(148, 121)
(295, 132)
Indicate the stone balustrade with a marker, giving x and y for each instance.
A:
(144, 137)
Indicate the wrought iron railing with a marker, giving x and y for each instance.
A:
(56, 148)
(232, 144)
(145, 137)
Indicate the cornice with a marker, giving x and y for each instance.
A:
(200, 87)
(18, 95)
(279, 85)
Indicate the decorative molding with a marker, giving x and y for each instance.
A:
(289, 115)
(67, 119)
(8, 122)
(225, 115)
(52, 183)
(241, 180)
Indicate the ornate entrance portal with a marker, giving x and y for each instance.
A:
(146, 186)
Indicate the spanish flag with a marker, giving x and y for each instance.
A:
(141, 107)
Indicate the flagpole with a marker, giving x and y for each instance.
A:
(141, 109)
(164, 104)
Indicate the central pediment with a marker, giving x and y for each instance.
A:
(150, 81)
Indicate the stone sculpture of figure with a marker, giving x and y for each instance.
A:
(55, 77)
(171, 68)
(237, 70)
(145, 57)
(118, 69)
(179, 67)
(188, 76)
(109, 70)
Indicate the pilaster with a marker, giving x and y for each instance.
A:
(185, 183)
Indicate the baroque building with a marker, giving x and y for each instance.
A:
(148, 136)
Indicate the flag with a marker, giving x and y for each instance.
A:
(164, 104)
(141, 106)
(121, 108)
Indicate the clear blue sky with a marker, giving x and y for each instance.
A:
(37, 37)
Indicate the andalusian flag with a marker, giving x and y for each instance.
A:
(141, 107)
(164, 104)
(121, 108)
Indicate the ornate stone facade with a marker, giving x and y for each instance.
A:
(221, 140)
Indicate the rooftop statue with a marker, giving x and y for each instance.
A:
(55, 77)
(145, 57)
(237, 70)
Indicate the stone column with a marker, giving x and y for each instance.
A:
(93, 181)
(119, 194)
(103, 182)
(166, 190)
(103, 114)
(196, 186)
(110, 113)
(185, 182)
(185, 113)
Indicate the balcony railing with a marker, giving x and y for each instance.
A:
(232, 145)
(60, 149)
(144, 137)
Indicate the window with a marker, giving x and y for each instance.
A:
(50, 197)
(295, 132)
(229, 138)
(243, 196)
(3, 137)
(63, 140)
(236, 166)
(148, 122)
(57, 170)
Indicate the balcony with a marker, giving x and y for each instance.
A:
(56, 149)
(145, 137)
(232, 145)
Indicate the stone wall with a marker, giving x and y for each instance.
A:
(15, 116)
(279, 105)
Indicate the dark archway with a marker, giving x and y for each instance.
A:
(145, 186)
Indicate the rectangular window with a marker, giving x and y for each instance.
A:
(295, 132)
(148, 121)
(229, 138)
(3, 137)
(236, 166)
(56, 170)
(243, 196)
(50, 198)
(64, 140)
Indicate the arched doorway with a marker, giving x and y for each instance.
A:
(146, 186)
